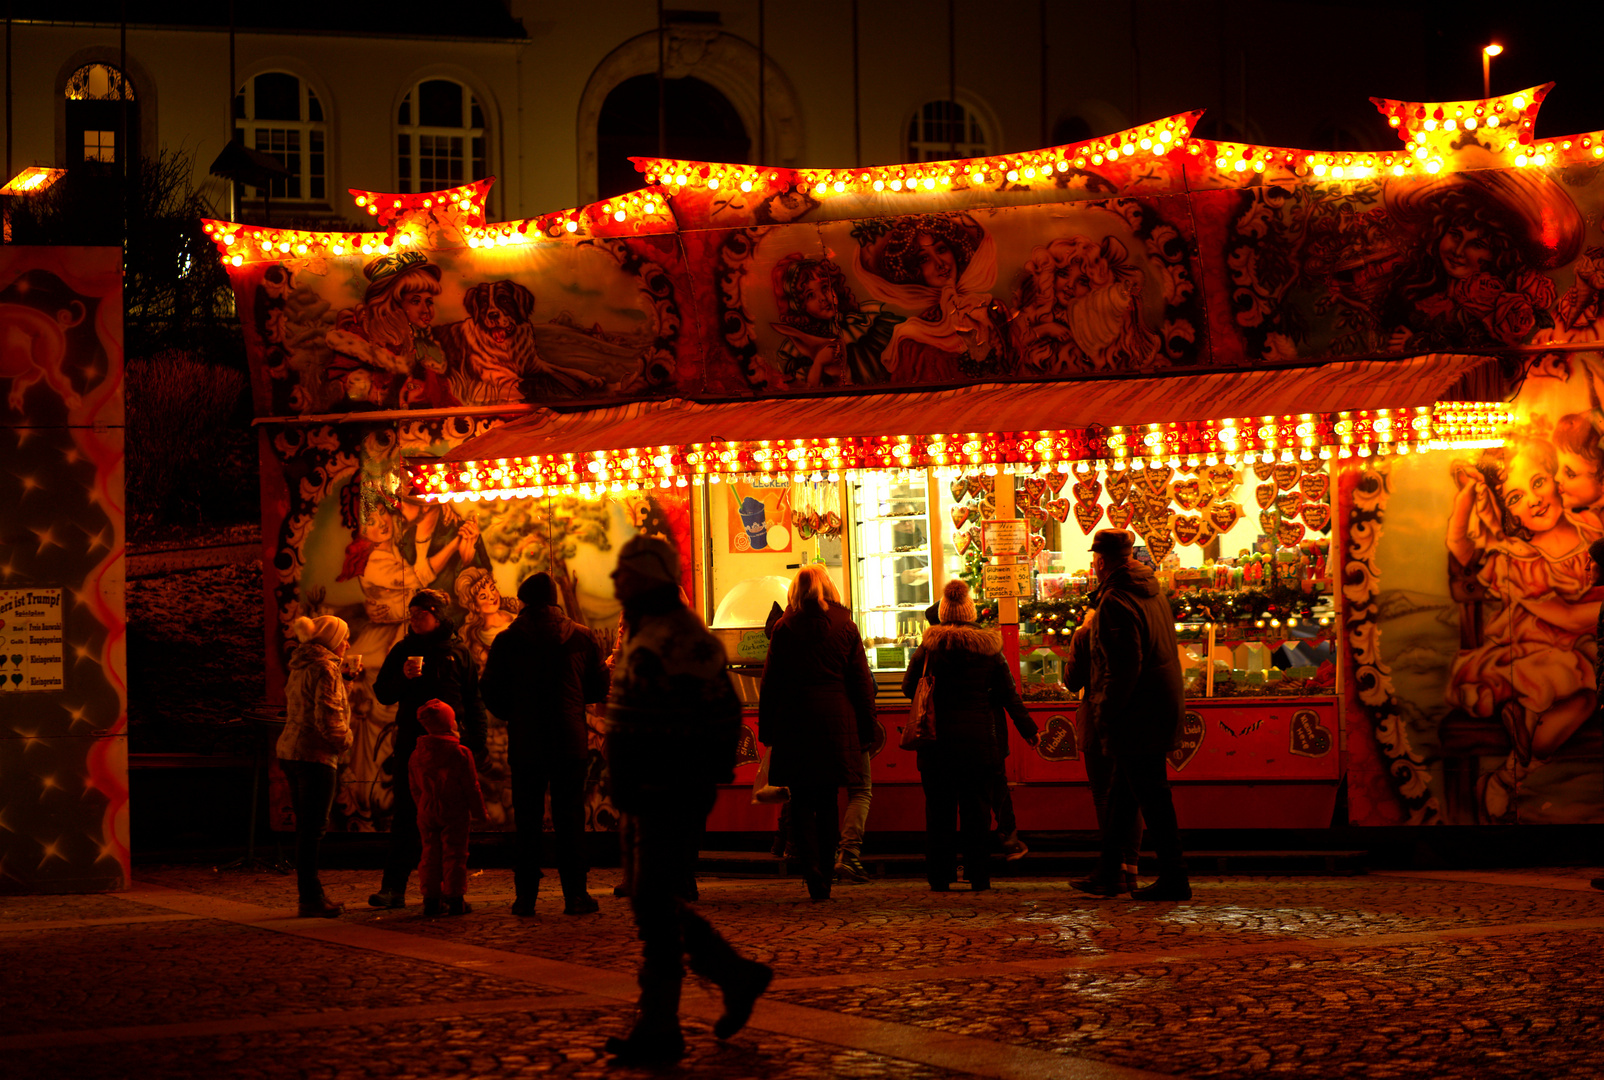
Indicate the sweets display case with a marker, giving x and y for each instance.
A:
(892, 563)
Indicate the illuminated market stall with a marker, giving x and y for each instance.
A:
(915, 372)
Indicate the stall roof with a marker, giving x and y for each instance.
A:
(1348, 385)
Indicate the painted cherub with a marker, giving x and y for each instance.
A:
(830, 337)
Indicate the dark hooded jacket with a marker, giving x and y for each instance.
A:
(816, 707)
(972, 682)
(542, 672)
(1134, 699)
(448, 674)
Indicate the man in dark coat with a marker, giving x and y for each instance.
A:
(1135, 704)
(430, 663)
(542, 672)
(673, 718)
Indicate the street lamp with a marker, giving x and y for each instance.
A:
(1487, 54)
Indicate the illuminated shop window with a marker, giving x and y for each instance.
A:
(100, 146)
(279, 114)
(938, 125)
(97, 95)
(440, 137)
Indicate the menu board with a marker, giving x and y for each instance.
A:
(1005, 536)
(1002, 581)
(30, 633)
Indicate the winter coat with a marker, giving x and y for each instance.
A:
(673, 716)
(542, 672)
(1134, 698)
(318, 714)
(445, 785)
(816, 704)
(448, 674)
(972, 680)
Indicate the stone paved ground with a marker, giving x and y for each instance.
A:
(196, 973)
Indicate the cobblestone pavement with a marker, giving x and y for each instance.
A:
(194, 972)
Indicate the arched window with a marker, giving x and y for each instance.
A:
(440, 137)
(702, 126)
(97, 97)
(945, 129)
(279, 114)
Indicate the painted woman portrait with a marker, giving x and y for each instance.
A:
(489, 613)
(938, 268)
(386, 355)
(1079, 309)
(1518, 562)
(830, 338)
(1471, 271)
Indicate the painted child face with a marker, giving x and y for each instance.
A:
(1578, 481)
(419, 307)
(378, 528)
(938, 267)
(1530, 496)
(487, 598)
(1465, 250)
(818, 299)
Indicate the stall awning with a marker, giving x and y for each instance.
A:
(1329, 388)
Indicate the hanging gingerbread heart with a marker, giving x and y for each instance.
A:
(977, 484)
(1120, 515)
(961, 516)
(1156, 479)
(1038, 544)
(962, 541)
(1088, 490)
(1289, 502)
(1056, 482)
(1088, 514)
(1160, 546)
(1224, 516)
(987, 507)
(1268, 520)
(1264, 495)
(959, 486)
(1315, 466)
(1223, 477)
(1315, 486)
(1118, 483)
(1191, 494)
(1263, 469)
(1317, 516)
(1206, 535)
(1058, 509)
(1035, 489)
(1036, 516)
(1186, 527)
(1289, 533)
(1286, 474)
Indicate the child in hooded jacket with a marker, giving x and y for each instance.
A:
(445, 786)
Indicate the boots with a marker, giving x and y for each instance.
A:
(456, 905)
(523, 905)
(319, 907)
(1172, 884)
(741, 991)
(655, 1041)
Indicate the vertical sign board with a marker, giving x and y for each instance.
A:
(63, 673)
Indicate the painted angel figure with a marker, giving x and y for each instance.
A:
(830, 337)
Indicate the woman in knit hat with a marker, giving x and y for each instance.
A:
(317, 734)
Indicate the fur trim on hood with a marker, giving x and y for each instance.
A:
(963, 637)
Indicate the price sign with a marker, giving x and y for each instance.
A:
(1005, 581)
(1005, 537)
(30, 640)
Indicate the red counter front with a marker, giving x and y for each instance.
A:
(1243, 763)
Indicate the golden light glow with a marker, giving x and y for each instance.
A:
(32, 180)
(1492, 50)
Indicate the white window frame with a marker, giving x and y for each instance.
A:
(976, 124)
(249, 128)
(409, 179)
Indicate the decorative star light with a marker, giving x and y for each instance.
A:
(47, 539)
(30, 484)
(50, 851)
(83, 652)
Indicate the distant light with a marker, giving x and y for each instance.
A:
(32, 180)
(1493, 50)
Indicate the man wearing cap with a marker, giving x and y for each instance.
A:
(430, 662)
(673, 718)
(542, 672)
(1135, 705)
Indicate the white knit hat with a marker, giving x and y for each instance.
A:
(328, 631)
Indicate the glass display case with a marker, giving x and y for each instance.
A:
(891, 563)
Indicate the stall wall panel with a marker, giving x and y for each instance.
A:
(63, 673)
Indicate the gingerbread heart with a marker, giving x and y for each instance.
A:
(1315, 486)
(1286, 474)
(978, 485)
(1309, 738)
(1268, 521)
(1118, 483)
(1224, 516)
(1288, 533)
(1036, 516)
(1315, 466)
(1156, 479)
(962, 541)
(1056, 482)
(961, 516)
(1088, 490)
(959, 488)
(1317, 516)
(1264, 495)
(1186, 528)
(1263, 470)
(1223, 476)
(1058, 510)
(1035, 489)
(1120, 515)
(1206, 535)
(1160, 546)
(1289, 502)
(1087, 516)
(1191, 494)
(1187, 740)
(1058, 742)
(1038, 544)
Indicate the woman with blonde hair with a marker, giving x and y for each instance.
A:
(816, 714)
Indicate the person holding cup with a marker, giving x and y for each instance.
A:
(317, 734)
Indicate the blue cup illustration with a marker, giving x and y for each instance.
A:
(753, 515)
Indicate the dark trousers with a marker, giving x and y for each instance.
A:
(566, 779)
(1100, 772)
(312, 796)
(1002, 803)
(443, 866)
(1140, 789)
(406, 846)
(815, 831)
(655, 854)
(957, 794)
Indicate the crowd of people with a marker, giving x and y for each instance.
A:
(673, 726)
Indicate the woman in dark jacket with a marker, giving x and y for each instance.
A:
(816, 714)
(971, 680)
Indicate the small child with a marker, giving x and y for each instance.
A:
(445, 786)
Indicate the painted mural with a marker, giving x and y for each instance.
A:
(347, 539)
(63, 673)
